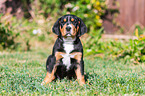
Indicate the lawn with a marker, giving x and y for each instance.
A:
(21, 73)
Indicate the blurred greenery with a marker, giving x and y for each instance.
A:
(7, 36)
(132, 50)
(109, 63)
(90, 11)
(34, 29)
(40, 16)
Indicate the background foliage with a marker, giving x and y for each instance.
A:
(7, 36)
(40, 15)
(109, 63)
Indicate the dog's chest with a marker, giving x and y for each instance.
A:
(68, 47)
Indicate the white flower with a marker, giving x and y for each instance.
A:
(85, 15)
(75, 8)
(68, 5)
(38, 31)
(89, 6)
(95, 11)
(35, 32)
(89, 50)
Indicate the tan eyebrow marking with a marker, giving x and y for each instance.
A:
(64, 20)
(72, 19)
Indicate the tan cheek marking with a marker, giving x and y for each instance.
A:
(77, 28)
(78, 56)
(80, 77)
(74, 30)
(62, 30)
(58, 55)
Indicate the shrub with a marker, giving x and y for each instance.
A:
(7, 36)
(135, 49)
(93, 44)
(90, 11)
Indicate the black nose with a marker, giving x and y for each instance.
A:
(68, 28)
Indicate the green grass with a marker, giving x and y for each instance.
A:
(21, 73)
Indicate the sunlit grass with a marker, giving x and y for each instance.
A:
(21, 73)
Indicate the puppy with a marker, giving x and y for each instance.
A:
(67, 56)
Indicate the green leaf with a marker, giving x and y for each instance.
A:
(142, 58)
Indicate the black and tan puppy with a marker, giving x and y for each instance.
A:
(67, 56)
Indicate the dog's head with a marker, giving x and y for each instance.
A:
(69, 26)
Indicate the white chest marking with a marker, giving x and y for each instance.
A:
(68, 47)
(67, 57)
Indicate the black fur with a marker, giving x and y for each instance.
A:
(82, 26)
(61, 71)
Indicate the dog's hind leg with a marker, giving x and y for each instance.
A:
(49, 77)
(51, 67)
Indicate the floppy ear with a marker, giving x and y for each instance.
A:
(82, 27)
(55, 28)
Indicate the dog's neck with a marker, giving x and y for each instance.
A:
(69, 40)
(68, 44)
